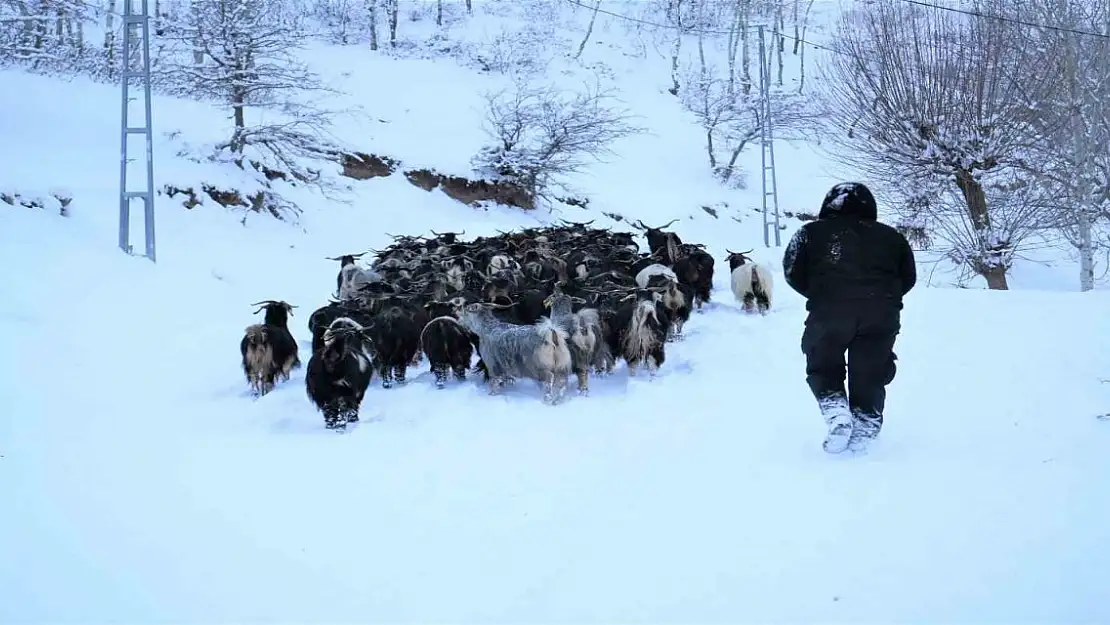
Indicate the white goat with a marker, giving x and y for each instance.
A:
(647, 273)
(538, 351)
(752, 284)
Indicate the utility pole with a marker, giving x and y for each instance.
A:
(767, 147)
(136, 36)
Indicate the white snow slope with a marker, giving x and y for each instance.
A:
(140, 483)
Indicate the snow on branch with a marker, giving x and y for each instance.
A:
(541, 135)
(936, 103)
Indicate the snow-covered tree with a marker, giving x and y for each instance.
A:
(1074, 119)
(939, 106)
(243, 53)
(42, 33)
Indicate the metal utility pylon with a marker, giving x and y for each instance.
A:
(767, 146)
(136, 36)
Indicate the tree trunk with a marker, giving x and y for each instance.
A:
(110, 38)
(195, 14)
(469, 7)
(676, 14)
(589, 30)
(745, 45)
(797, 27)
(373, 7)
(439, 12)
(987, 264)
(996, 278)
(777, 45)
(394, 9)
(1086, 251)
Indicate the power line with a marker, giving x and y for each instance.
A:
(692, 31)
(1012, 20)
(938, 7)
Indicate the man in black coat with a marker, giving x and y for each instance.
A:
(853, 272)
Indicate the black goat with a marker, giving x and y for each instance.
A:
(448, 346)
(395, 333)
(661, 244)
(339, 373)
(321, 318)
(696, 272)
(640, 331)
(268, 348)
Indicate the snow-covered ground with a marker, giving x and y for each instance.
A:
(139, 482)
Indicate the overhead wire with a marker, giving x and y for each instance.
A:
(977, 14)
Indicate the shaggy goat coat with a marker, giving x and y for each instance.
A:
(449, 348)
(641, 332)
(753, 285)
(353, 278)
(539, 351)
(268, 352)
(339, 373)
(586, 339)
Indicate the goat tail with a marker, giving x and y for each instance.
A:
(554, 352)
(763, 283)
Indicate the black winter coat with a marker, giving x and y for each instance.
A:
(846, 257)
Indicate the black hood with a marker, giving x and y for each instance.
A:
(851, 199)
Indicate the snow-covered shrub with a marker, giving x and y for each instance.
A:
(540, 134)
(56, 200)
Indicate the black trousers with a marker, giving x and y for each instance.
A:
(864, 332)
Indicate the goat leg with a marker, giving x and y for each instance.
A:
(583, 381)
(399, 373)
(386, 372)
(333, 417)
(549, 390)
(440, 373)
(350, 410)
(460, 372)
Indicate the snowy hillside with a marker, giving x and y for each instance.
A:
(139, 481)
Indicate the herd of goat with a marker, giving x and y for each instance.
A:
(540, 304)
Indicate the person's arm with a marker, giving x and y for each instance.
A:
(795, 262)
(908, 269)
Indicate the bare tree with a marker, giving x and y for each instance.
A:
(1074, 158)
(248, 51)
(540, 134)
(937, 106)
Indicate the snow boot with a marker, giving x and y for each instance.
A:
(838, 417)
(865, 428)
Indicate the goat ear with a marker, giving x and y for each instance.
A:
(547, 302)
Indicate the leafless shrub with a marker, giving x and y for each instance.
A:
(540, 135)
